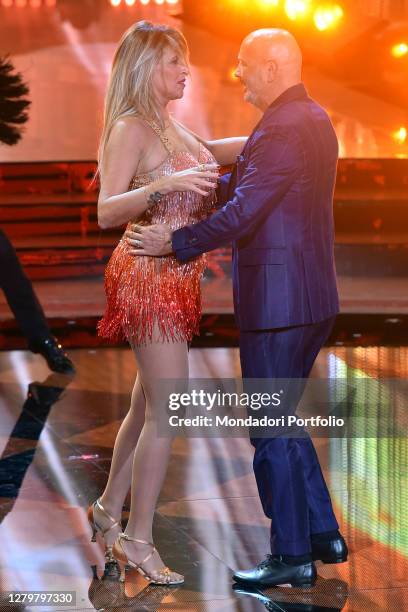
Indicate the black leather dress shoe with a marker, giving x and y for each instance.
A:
(273, 572)
(53, 353)
(332, 551)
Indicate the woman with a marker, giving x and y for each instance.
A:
(152, 169)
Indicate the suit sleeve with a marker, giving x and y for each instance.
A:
(274, 162)
(223, 190)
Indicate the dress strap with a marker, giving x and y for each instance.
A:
(160, 133)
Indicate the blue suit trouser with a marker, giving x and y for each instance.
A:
(290, 482)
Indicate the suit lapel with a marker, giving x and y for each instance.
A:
(297, 92)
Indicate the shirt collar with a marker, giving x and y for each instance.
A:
(296, 92)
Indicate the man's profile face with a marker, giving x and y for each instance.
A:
(249, 73)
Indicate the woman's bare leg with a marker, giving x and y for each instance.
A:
(157, 361)
(120, 474)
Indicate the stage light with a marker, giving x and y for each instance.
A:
(115, 2)
(7, 3)
(145, 2)
(51, 2)
(400, 50)
(159, 1)
(297, 8)
(326, 17)
(21, 3)
(35, 3)
(232, 76)
(172, 1)
(400, 136)
(130, 2)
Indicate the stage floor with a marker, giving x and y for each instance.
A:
(72, 298)
(209, 521)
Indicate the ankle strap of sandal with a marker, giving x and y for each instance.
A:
(114, 521)
(102, 509)
(124, 536)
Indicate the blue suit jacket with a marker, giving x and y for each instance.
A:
(279, 216)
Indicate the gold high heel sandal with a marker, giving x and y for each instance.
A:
(162, 577)
(96, 528)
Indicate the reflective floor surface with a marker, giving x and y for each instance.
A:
(56, 443)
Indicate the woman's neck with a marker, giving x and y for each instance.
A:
(164, 112)
(162, 118)
(165, 120)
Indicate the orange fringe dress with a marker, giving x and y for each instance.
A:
(142, 291)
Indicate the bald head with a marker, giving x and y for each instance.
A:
(270, 61)
(274, 44)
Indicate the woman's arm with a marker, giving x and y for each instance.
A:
(117, 205)
(224, 150)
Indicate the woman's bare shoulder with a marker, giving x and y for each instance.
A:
(131, 127)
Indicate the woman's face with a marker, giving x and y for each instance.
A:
(170, 75)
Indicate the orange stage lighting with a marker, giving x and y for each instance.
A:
(21, 3)
(326, 17)
(7, 3)
(401, 135)
(130, 2)
(145, 2)
(400, 50)
(172, 1)
(297, 8)
(267, 3)
(50, 2)
(231, 75)
(35, 3)
(159, 1)
(115, 2)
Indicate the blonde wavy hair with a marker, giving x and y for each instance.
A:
(130, 90)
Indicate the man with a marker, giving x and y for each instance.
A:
(27, 310)
(280, 218)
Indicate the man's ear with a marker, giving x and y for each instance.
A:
(271, 70)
